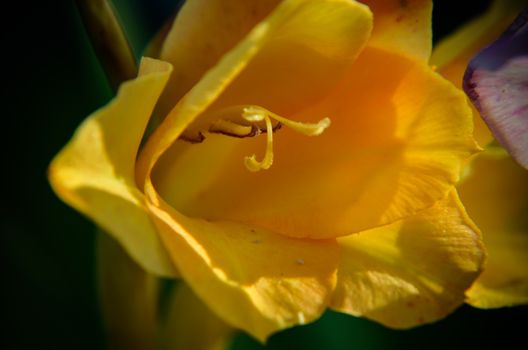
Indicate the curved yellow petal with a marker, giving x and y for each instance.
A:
(412, 272)
(403, 26)
(395, 146)
(303, 45)
(253, 279)
(505, 279)
(94, 173)
(202, 32)
(453, 53)
(190, 324)
(496, 197)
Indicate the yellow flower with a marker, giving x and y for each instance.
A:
(496, 190)
(361, 217)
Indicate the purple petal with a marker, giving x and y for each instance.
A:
(496, 81)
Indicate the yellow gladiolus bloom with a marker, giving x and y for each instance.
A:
(496, 190)
(306, 158)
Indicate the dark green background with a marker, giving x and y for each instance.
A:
(51, 81)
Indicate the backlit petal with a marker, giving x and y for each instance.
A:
(496, 197)
(94, 173)
(202, 32)
(395, 146)
(253, 279)
(412, 272)
(403, 26)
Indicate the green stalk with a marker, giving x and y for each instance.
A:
(108, 40)
(128, 297)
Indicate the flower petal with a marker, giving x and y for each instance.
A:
(302, 46)
(253, 279)
(396, 144)
(496, 81)
(452, 55)
(403, 26)
(191, 325)
(505, 279)
(94, 173)
(496, 197)
(412, 272)
(202, 32)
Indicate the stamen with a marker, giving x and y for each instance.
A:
(251, 162)
(255, 114)
(247, 121)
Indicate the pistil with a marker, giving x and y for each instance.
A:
(251, 162)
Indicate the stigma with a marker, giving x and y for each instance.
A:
(250, 121)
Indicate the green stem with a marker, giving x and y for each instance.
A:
(108, 40)
(128, 297)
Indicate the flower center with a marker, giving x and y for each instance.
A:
(249, 121)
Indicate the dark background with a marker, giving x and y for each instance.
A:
(51, 82)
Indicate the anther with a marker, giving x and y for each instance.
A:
(226, 127)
